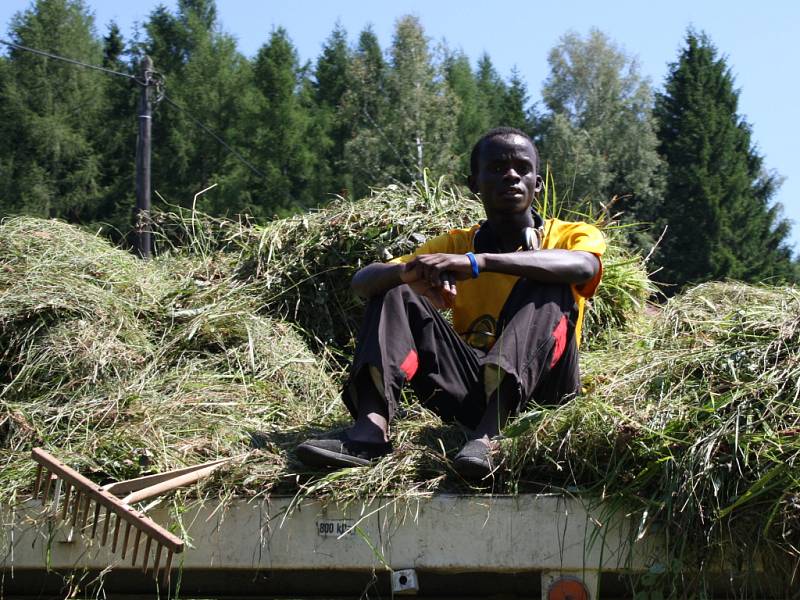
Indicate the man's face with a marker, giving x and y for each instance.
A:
(506, 179)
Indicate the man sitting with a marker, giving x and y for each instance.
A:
(517, 287)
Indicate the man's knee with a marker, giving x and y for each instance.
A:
(402, 291)
(399, 296)
(399, 291)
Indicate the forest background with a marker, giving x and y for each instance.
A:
(679, 163)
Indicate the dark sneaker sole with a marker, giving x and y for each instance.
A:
(319, 457)
(472, 469)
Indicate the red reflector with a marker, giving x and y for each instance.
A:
(567, 589)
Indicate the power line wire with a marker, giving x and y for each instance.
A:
(68, 60)
(157, 81)
(241, 158)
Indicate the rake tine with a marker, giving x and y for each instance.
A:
(125, 539)
(85, 512)
(159, 549)
(67, 491)
(97, 508)
(47, 482)
(39, 469)
(117, 523)
(76, 507)
(105, 526)
(56, 496)
(147, 554)
(168, 570)
(136, 546)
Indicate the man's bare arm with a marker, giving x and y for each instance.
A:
(547, 266)
(377, 278)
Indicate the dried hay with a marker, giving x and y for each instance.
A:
(123, 367)
(691, 425)
(127, 367)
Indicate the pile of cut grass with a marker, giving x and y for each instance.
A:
(626, 289)
(692, 426)
(125, 367)
(304, 264)
(122, 367)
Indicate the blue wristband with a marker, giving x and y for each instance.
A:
(474, 262)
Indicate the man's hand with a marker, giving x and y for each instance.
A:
(376, 278)
(434, 267)
(441, 293)
(436, 276)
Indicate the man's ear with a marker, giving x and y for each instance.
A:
(539, 185)
(473, 185)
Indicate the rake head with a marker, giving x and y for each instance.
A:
(74, 494)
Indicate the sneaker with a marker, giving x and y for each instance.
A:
(474, 461)
(338, 450)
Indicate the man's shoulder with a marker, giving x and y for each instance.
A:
(456, 237)
(578, 235)
(554, 224)
(561, 223)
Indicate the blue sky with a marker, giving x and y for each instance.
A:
(758, 40)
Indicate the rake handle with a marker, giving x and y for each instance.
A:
(169, 485)
(123, 488)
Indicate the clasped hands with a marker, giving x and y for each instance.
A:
(434, 276)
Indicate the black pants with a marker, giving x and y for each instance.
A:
(406, 339)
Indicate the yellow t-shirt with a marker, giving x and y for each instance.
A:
(479, 301)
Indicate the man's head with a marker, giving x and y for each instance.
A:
(504, 171)
(496, 132)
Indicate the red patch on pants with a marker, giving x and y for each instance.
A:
(410, 365)
(560, 337)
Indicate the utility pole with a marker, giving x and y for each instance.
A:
(141, 217)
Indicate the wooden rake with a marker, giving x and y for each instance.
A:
(55, 481)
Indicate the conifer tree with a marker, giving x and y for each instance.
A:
(211, 81)
(6, 158)
(420, 122)
(717, 202)
(485, 101)
(364, 106)
(117, 139)
(492, 90)
(281, 141)
(513, 105)
(113, 46)
(331, 73)
(472, 111)
(330, 132)
(50, 109)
